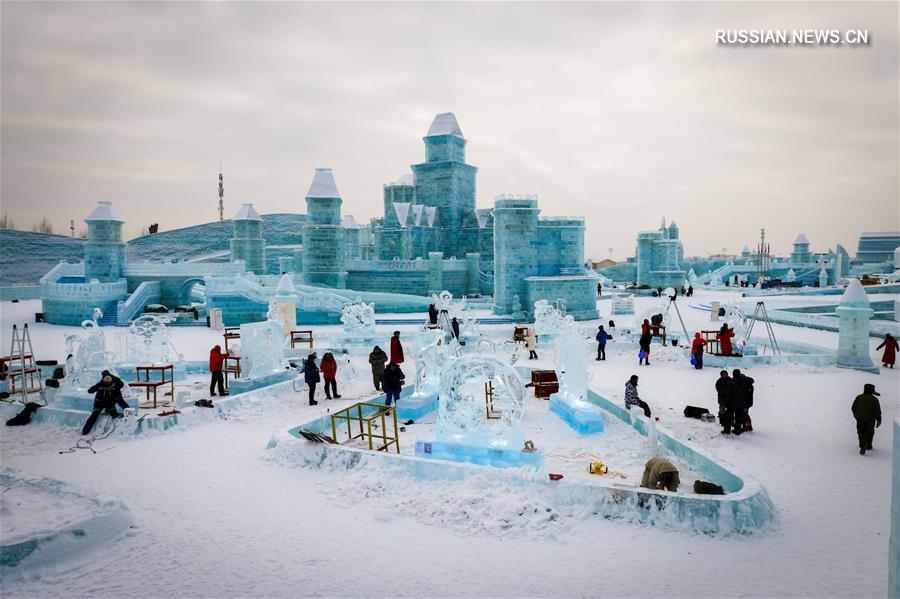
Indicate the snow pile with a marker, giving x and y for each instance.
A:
(44, 521)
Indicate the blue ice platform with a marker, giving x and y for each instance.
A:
(413, 407)
(582, 417)
(243, 385)
(487, 456)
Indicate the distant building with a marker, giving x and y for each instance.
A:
(659, 255)
(597, 265)
(874, 248)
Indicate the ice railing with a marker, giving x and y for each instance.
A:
(146, 293)
(63, 269)
(418, 264)
(189, 269)
(94, 290)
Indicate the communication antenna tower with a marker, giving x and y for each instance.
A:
(221, 193)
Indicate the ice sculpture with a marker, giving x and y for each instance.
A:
(148, 341)
(461, 415)
(570, 402)
(89, 356)
(823, 278)
(548, 319)
(736, 319)
(358, 320)
(791, 276)
(262, 349)
(622, 304)
(853, 331)
(464, 432)
(430, 356)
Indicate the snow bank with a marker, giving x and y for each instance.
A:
(45, 521)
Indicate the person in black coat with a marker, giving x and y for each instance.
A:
(392, 382)
(107, 395)
(454, 326)
(432, 314)
(748, 403)
(311, 376)
(723, 390)
(737, 403)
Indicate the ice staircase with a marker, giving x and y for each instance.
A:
(111, 315)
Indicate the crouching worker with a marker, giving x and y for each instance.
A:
(661, 474)
(108, 395)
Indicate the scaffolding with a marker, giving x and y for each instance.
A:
(372, 418)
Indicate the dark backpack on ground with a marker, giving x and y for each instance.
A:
(694, 411)
(701, 487)
(23, 417)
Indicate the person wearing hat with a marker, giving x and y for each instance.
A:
(867, 411)
(311, 376)
(108, 395)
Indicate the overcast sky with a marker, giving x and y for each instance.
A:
(618, 112)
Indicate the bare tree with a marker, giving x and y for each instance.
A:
(6, 222)
(45, 226)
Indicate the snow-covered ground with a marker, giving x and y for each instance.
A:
(215, 515)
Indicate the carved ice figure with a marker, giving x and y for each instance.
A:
(571, 362)
(89, 356)
(430, 356)
(262, 349)
(791, 276)
(358, 319)
(736, 319)
(547, 318)
(148, 341)
(461, 414)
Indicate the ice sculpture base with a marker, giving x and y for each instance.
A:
(243, 385)
(581, 416)
(863, 363)
(416, 405)
(342, 341)
(84, 401)
(486, 456)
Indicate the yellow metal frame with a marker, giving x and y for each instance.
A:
(382, 412)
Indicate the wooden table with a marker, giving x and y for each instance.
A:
(301, 336)
(147, 384)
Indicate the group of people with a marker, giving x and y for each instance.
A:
(735, 398)
(386, 373)
(433, 322)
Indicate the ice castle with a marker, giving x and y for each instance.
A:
(430, 238)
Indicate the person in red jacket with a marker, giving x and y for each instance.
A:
(724, 336)
(329, 371)
(697, 350)
(396, 349)
(216, 358)
(645, 327)
(890, 350)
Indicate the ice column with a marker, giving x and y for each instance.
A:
(853, 342)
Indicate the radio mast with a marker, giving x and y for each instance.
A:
(221, 193)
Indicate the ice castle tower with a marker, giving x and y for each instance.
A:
(104, 252)
(323, 233)
(248, 244)
(445, 182)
